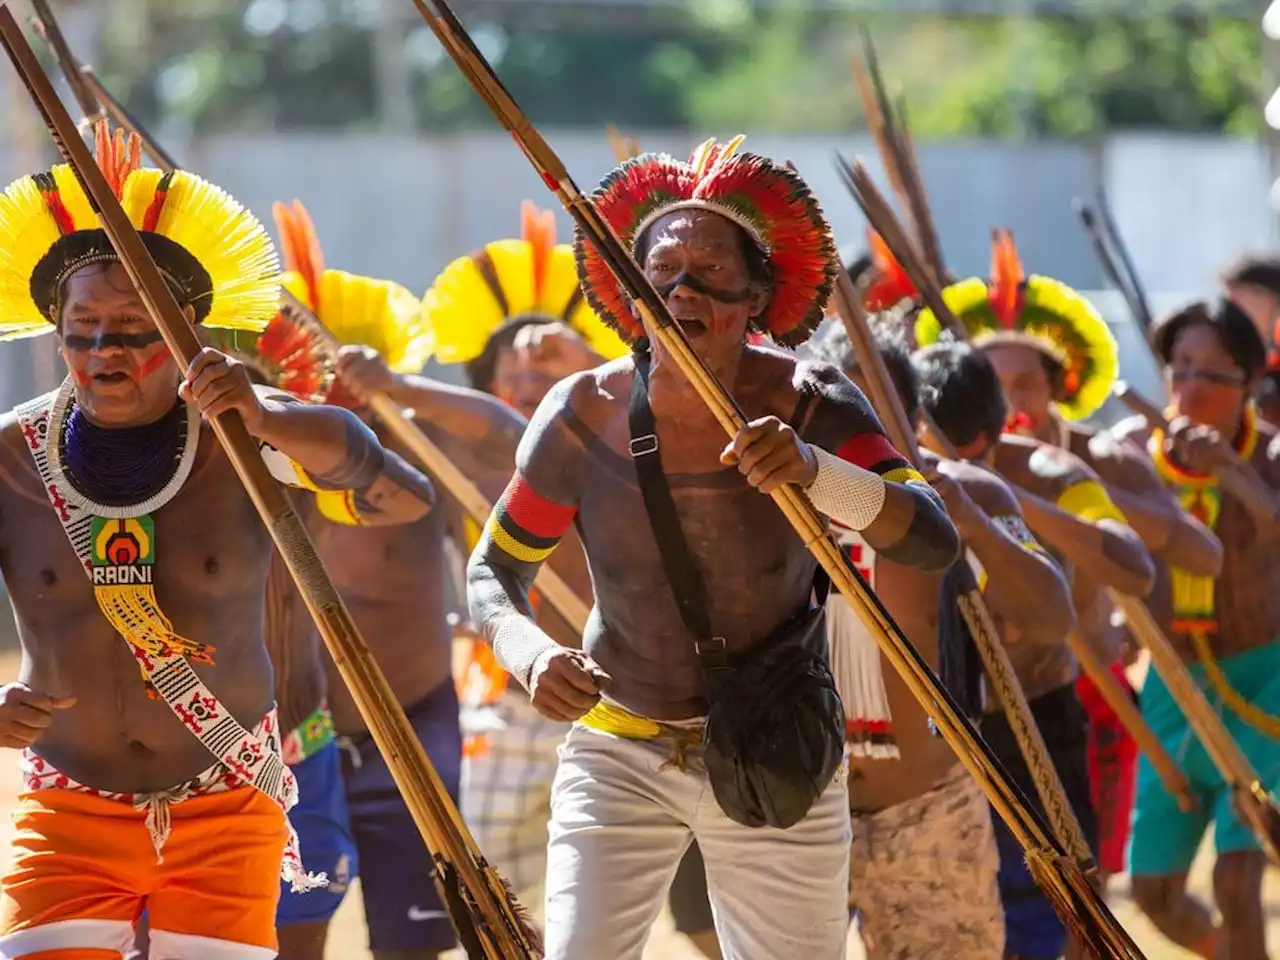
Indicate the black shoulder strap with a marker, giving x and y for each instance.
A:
(682, 572)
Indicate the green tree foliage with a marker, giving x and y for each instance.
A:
(709, 64)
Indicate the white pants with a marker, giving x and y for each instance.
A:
(620, 824)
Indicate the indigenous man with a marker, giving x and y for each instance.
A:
(164, 791)
(1057, 361)
(514, 313)
(393, 579)
(962, 393)
(1225, 628)
(924, 862)
(1252, 283)
(729, 240)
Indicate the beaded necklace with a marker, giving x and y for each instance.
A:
(1194, 603)
(115, 480)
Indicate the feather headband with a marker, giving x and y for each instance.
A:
(772, 205)
(215, 255)
(1040, 313)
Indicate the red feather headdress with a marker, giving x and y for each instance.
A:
(775, 208)
(889, 284)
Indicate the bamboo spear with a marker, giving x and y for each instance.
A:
(882, 219)
(972, 605)
(1079, 905)
(486, 920)
(897, 151)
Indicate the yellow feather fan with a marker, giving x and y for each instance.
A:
(475, 295)
(214, 250)
(374, 313)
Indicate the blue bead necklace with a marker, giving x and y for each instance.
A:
(125, 465)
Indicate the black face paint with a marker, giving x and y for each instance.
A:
(686, 279)
(127, 341)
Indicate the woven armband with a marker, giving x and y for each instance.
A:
(845, 491)
(517, 644)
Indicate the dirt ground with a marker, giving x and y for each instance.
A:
(347, 940)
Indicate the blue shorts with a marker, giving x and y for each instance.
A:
(1032, 927)
(401, 907)
(1164, 839)
(324, 839)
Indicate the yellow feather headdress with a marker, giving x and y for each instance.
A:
(477, 294)
(215, 255)
(355, 309)
(1041, 313)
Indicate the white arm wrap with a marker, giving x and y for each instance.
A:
(517, 644)
(845, 492)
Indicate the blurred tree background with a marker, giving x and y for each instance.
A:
(710, 64)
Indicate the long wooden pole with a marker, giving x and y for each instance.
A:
(972, 605)
(491, 920)
(884, 222)
(1069, 890)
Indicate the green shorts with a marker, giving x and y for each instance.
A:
(1165, 840)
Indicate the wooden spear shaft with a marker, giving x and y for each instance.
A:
(973, 607)
(395, 737)
(1062, 880)
(882, 219)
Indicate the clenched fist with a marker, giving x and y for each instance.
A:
(26, 714)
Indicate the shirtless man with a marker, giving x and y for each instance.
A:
(1252, 283)
(921, 822)
(514, 314)
(393, 580)
(1225, 628)
(1052, 375)
(122, 809)
(960, 390)
(632, 788)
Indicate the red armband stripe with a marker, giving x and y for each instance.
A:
(533, 512)
(865, 450)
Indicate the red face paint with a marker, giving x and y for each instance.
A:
(151, 365)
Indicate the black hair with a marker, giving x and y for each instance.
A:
(1232, 326)
(960, 390)
(481, 370)
(1254, 270)
(834, 347)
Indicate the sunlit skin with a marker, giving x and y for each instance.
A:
(1167, 531)
(698, 261)
(212, 574)
(1209, 391)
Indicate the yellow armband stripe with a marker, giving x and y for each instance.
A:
(339, 506)
(1088, 500)
(1017, 528)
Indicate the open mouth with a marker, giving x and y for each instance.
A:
(692, 328)
(116, 377)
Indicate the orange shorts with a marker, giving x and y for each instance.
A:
(83, 868)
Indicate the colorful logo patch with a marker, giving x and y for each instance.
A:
(122, 551)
